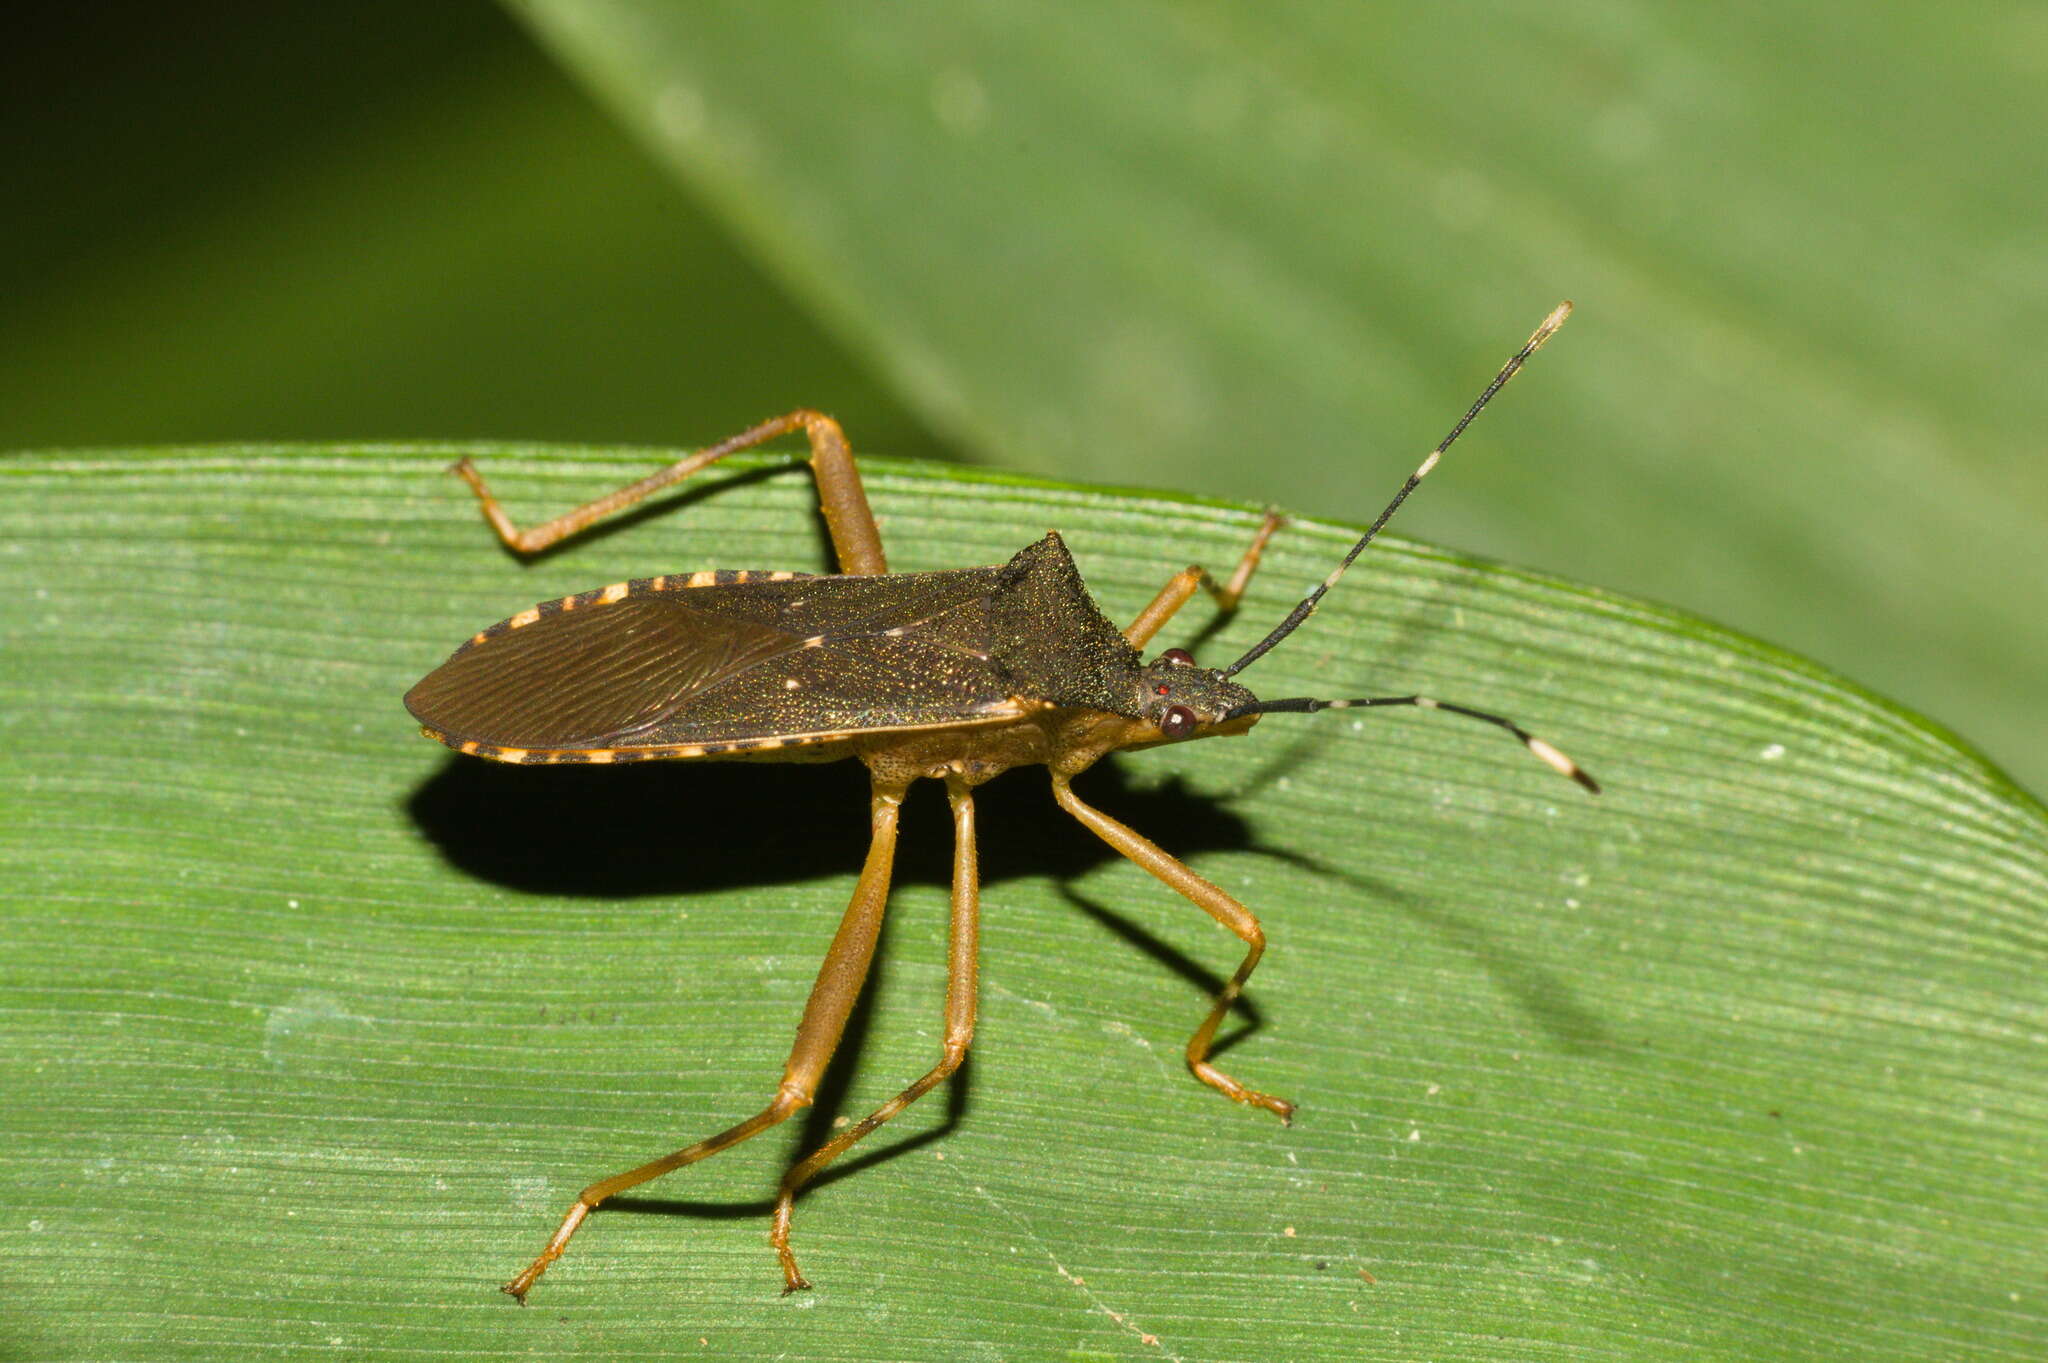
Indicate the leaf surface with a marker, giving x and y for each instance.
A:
(311, 1030)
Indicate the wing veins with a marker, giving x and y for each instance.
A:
(825, 640)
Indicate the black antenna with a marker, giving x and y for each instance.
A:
(1308, 603)
(1544, 752)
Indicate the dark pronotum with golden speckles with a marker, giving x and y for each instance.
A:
(957, 676)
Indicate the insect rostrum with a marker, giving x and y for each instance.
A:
(956, 676)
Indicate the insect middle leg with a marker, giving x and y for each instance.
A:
(1187, 581)
(832, 998)
(962, 950)
(855, 538)
(1219, 906)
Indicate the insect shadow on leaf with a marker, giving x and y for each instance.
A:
(502, 824)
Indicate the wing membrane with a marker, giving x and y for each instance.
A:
(592, 676)
(649, 665)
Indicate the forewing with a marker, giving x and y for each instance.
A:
(667, 666)
(590, 675)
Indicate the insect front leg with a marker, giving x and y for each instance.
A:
(1219, 906)
(962, 951)
(832, 998)
(1187, 581)
(855, 538)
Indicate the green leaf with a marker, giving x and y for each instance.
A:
(423, 230)
(312, 1029)
(1147, 241)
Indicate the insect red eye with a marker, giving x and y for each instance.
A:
(1177, 722)
(1179, 657)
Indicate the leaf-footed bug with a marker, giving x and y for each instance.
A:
(957, 676)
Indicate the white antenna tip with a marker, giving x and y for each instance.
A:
(1556, 760)
(1551, 324)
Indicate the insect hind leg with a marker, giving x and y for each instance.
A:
(856, 540)
(838, 985)
(962, 952)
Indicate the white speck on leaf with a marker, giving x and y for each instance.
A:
(679, 112)
(959, 102)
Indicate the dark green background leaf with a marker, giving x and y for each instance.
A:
(385, 219)
(310, 1029)
(1152, 241)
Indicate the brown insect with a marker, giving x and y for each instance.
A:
(957, 676)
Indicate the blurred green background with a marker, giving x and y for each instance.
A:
(1263, 251)
(1742, 1056)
